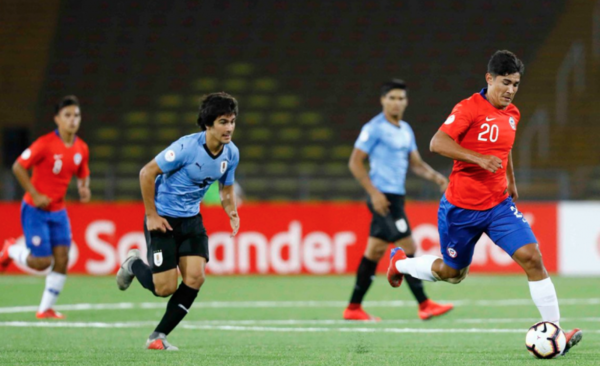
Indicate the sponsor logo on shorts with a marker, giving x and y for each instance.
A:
(452, 253)
(401, 225)
(36, 240)
(77, 158)
(170, 156)
(158, 258)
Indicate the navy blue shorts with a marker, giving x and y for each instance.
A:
(44, 229)
(460, 229)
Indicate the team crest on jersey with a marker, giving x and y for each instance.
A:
(26, 154)
(450, 119)
(512, 123)
(452, 253)
(158, 258)
(223, 166)
(170, 156)
(77, 159)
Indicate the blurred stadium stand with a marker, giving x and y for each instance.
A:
(307, 76)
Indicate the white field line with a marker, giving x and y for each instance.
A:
(240, 328)
(289, 304)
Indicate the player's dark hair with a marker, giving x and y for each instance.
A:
(214, 105)
(505, 63)
(65, 102)
(391, 85)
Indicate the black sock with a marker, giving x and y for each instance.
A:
(364, 278)
(177, 308)
(143, 273)
(416, 286)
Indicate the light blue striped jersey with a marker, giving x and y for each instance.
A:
(389, 147)
(189, 169)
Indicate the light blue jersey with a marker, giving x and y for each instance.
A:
(389, 149)
(189, 169)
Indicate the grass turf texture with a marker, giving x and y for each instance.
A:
(288, 331)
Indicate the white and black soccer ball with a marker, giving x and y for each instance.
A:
(545, 340)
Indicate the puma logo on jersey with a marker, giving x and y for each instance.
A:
(489, 119)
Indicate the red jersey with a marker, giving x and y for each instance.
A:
(54, 164)
(477, 125)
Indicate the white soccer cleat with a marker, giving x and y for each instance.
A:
(124, 275)
(160, 343)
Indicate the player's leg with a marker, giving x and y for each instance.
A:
(511, 231)
(382, 232)
(457, 242)
(192, 271)
(161, 269)
(365, 273)
(427, 307)
(60, 240)
(37, 252)
(193, 255)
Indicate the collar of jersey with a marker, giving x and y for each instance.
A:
(211, 154)
(58, 134)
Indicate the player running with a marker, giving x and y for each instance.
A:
(54, 159)
(389, 144)
(479, 135)
(173, 184)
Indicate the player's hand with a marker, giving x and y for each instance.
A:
(442, 182)
(40, 200)
(512, 191)
(85, 194)
(234, 220)
(157, 223)
(490, 163)
(380, 203)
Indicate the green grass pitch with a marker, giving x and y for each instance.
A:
(296, 320)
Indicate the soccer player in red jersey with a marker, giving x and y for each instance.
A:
(54, 159)
(479, 135)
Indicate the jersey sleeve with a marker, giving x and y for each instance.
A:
(228, 177)
(459, 120)
(367, 139)
(32, 155)
(84, 167)
(175, 156)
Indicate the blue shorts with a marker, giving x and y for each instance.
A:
(460, 229)
(44, 229)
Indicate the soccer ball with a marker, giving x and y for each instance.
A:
(545, 340)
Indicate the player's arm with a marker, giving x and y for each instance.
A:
(357, 167)
(424, 170)
(443, 144)
(148, 175)
(510, 177)
(83, 186)
(39, 200)
(227, 194)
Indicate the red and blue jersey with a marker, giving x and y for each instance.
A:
(54, 164)
(477, 125)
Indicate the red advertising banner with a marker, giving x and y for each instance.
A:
(287, 238)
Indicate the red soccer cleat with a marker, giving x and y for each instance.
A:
(49, 314)
(356, 312)
(573, 337)
(394, 277)
(428, 309)
(5, 260)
